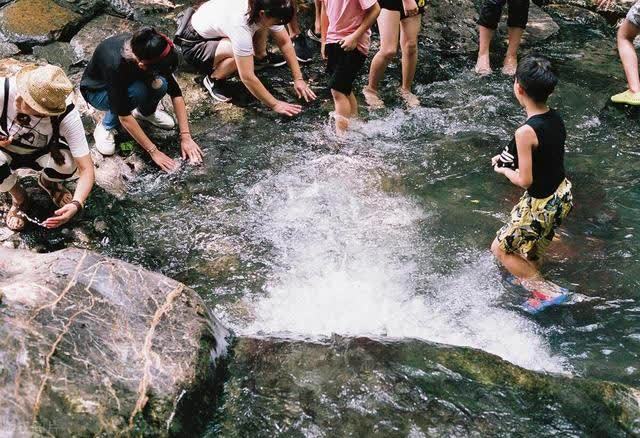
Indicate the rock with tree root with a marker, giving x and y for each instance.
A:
(91, 346)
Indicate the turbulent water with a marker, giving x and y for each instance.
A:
(293, 233)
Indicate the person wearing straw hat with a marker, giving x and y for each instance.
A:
(127, 77)
(42, 131)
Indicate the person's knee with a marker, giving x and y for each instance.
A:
(389, 53)
(8, 179)
(627, 32)
(497, 251)
(410, 47)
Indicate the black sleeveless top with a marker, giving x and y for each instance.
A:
(548, 157)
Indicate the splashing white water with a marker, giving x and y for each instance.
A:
(349, 258)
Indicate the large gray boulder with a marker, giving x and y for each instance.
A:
(96, 31)
(93, 346)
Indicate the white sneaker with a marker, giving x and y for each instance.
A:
(105, 139)
(159, 119)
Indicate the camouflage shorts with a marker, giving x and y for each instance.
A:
(634, 14)
(534, 221)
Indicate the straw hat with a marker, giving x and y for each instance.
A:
(44, 88)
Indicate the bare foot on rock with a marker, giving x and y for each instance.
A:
(372, 98)
(510, 66)
(483, 66)
(410, 99)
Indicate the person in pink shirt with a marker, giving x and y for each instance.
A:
(346, 37)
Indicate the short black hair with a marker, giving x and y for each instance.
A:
(537, 76)
(282, 10)
(148, 44)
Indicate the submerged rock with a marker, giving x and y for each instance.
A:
(31, 22)
(365, 387)
(93, 346)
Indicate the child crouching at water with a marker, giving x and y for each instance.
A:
(346, 38)
(534, 160)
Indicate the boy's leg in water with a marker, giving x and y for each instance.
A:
(224, 64)
(626, 34)
(517, 265)
(389, 25)
(343, 111)
(409, 30)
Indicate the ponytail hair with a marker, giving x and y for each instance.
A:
(283, 10)
(147, 44)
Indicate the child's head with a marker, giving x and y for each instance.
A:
(270, 12)
(536, 78)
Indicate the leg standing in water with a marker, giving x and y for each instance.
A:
(397, 20)
(488, 23)
(627, 33)
(534, 161)
(346, 38)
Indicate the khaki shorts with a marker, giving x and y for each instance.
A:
(534, 221)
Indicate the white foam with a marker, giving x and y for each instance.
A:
(349, 258)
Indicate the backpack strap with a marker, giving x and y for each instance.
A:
(5, 107)
(55, 124)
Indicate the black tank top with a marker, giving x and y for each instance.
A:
(548, 156)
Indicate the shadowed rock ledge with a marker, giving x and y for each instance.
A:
(94, 346)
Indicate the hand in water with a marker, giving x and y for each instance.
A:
(410, 7)
(605, 4)
(287, 109)
(61, 216)
(303, 90)
(349, 43)
(163, 161)
(191, 150)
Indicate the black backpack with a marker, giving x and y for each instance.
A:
(55, 143)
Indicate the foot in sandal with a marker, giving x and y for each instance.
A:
(58, 193)
(15, 219)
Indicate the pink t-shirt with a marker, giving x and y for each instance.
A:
(345, 17)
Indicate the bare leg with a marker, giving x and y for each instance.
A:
(317, 24)
(483, 65)
(353, 103)
(389, 24)
(518, 266)
(409, 30)
(294, 25)
(224, 64)
(626, 34)
(343, 111)
(511, 58)
(18, 199)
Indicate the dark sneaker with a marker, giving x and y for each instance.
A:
(214, 89)
(314, 36)
(303, 51)
(269, 61)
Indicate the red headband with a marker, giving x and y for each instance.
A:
(164, 53)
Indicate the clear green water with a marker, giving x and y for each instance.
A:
(283, 233)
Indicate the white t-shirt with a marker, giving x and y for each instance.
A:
(39, 131)
(228, 19)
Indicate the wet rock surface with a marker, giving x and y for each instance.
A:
(94, 346)
(360, 386)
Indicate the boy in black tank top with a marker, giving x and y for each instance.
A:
(534, 160)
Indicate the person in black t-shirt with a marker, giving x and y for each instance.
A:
(127, 77)
(534, 160)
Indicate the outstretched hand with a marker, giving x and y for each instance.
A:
(191, 150)
(4, 142)
(287, 109)
(303, 90)
(61, 216)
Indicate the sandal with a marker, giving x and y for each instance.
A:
(16, 214)
(626, 97)
(57, 193)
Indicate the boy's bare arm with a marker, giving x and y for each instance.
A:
(324, 27)
(351, 42)
(526, 140)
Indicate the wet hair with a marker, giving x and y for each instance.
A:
(283, 10)
(149, 44)
(537, 76)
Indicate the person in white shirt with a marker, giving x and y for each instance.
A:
(42, 131)
(219, 41)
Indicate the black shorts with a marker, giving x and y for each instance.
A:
(197, 51)
(396, 5)
(344, 67)
(491, 12)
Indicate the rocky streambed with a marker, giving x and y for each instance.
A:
(94, 346)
